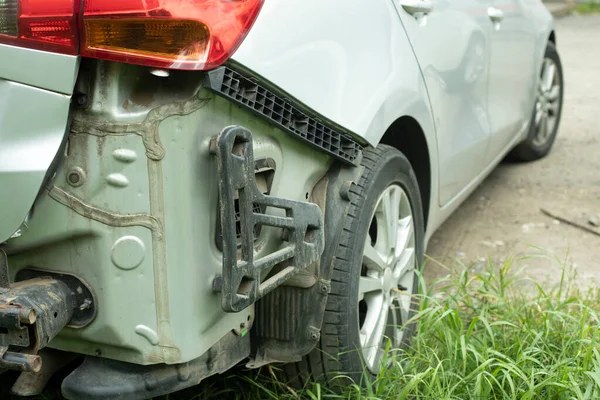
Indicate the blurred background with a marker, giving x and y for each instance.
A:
(552, 205)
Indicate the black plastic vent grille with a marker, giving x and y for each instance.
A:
(282, 113)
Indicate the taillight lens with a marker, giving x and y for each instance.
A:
(179, 34)
(40, 24)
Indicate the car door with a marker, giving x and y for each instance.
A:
(512, 72)
(451, 41)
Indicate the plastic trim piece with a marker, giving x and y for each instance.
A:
(241, 285)
(104, 379)
(281, 112)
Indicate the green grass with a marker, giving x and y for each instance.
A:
(481, 335)
(588, 8)
(490, 334)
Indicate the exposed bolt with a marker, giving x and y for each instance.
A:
(345, 190)
(76, 176)
(98, 352)
(314, 334)
(242, 325)
(324, 288)
(81, 100)
(87, 303)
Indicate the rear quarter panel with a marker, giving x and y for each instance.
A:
(348, 60)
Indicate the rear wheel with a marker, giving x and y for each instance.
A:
(547, 110)
(374, 279)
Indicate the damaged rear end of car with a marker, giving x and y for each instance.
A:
(163, 221)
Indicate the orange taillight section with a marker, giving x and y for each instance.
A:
(160, 40)
(179, 34)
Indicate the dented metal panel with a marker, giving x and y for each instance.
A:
(145, 242)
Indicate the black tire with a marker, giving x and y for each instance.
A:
(529, 150)
(336, 352)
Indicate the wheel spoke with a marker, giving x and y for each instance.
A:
(394, 309)
(391, 204)
(403, 303)
(539, 113)
(374, 304)
(550, 121)
(367, 284)
(373, 344)
(546, 126)
(542, 129)
(394, 322)
(542, 88)
(404, 312)
(553, 93)
(548, 76)
(553, 108)
(372, 258)
(405, 264)
(405, 235)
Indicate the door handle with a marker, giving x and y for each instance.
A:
(417, 6)
(495, 14)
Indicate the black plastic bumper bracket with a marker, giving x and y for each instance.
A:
(302, 226)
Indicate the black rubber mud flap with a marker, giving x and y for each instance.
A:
(288, 320)
(302, 226)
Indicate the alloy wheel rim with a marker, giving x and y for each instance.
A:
(548, 103)
(387, 275)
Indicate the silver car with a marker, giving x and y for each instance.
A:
(189, 184)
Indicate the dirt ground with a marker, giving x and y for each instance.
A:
(502, 217)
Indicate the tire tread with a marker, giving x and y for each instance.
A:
(318, 363)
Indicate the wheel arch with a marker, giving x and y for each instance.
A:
(406, 135)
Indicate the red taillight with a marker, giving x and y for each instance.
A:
(178, 34)
(40, 24)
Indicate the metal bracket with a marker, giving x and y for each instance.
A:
(302, 226)
(33, 310)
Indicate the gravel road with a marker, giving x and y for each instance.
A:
(502, 217)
